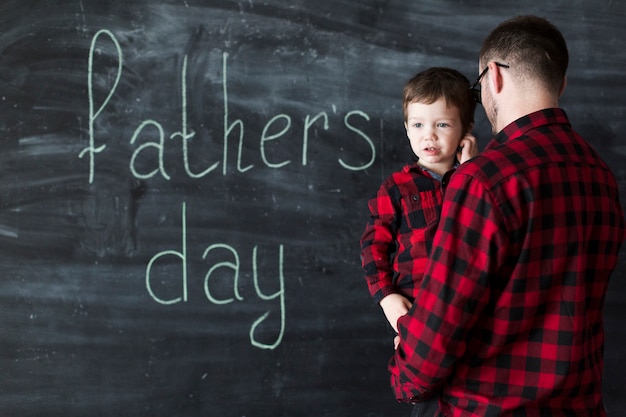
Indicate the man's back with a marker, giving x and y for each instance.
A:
(552, 227)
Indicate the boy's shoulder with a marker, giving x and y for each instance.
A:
(408, 171)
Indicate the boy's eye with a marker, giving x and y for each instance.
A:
(418, 125)
(442, 124)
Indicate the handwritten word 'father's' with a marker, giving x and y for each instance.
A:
(275, 128)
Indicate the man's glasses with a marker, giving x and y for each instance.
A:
(476, 91)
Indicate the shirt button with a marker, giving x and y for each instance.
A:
(415, 198)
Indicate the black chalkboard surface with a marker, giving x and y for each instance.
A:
(183, 186)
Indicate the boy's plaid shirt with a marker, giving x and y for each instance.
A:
(403, 218)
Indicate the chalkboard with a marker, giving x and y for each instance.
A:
(183, 186)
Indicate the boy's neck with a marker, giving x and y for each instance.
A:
(439, 169)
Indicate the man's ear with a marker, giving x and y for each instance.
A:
(495, 77)
(563, 85)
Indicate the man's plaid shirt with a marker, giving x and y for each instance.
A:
(508, 320)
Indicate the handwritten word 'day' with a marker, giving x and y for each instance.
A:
(277, 127)
(230, 262)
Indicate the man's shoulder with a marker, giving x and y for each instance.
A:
(488, 166)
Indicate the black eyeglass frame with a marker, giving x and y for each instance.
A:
(475, 91)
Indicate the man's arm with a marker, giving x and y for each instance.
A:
(466, 250)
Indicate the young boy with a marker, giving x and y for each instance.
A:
(438, 118)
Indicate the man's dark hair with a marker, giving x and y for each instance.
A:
(533, 48)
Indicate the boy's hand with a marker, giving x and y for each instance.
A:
(467, 148)
(395, 306)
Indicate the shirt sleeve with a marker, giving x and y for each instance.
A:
(466, 250)
(378, 244)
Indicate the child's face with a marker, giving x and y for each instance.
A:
(434, 131)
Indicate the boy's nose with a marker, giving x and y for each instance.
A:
(430, 134)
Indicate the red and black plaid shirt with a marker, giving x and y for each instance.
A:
(508, 321)
(403, 218)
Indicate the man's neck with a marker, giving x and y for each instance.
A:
(522, 105)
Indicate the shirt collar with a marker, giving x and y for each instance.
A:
(526, 123)
(434, 175)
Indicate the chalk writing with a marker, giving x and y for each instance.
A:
(284, 121)
(92, 149)
(231, 262)
(148, 161)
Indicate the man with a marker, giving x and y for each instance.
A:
(508, 320)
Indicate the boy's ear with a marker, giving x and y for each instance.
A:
(470, 127)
